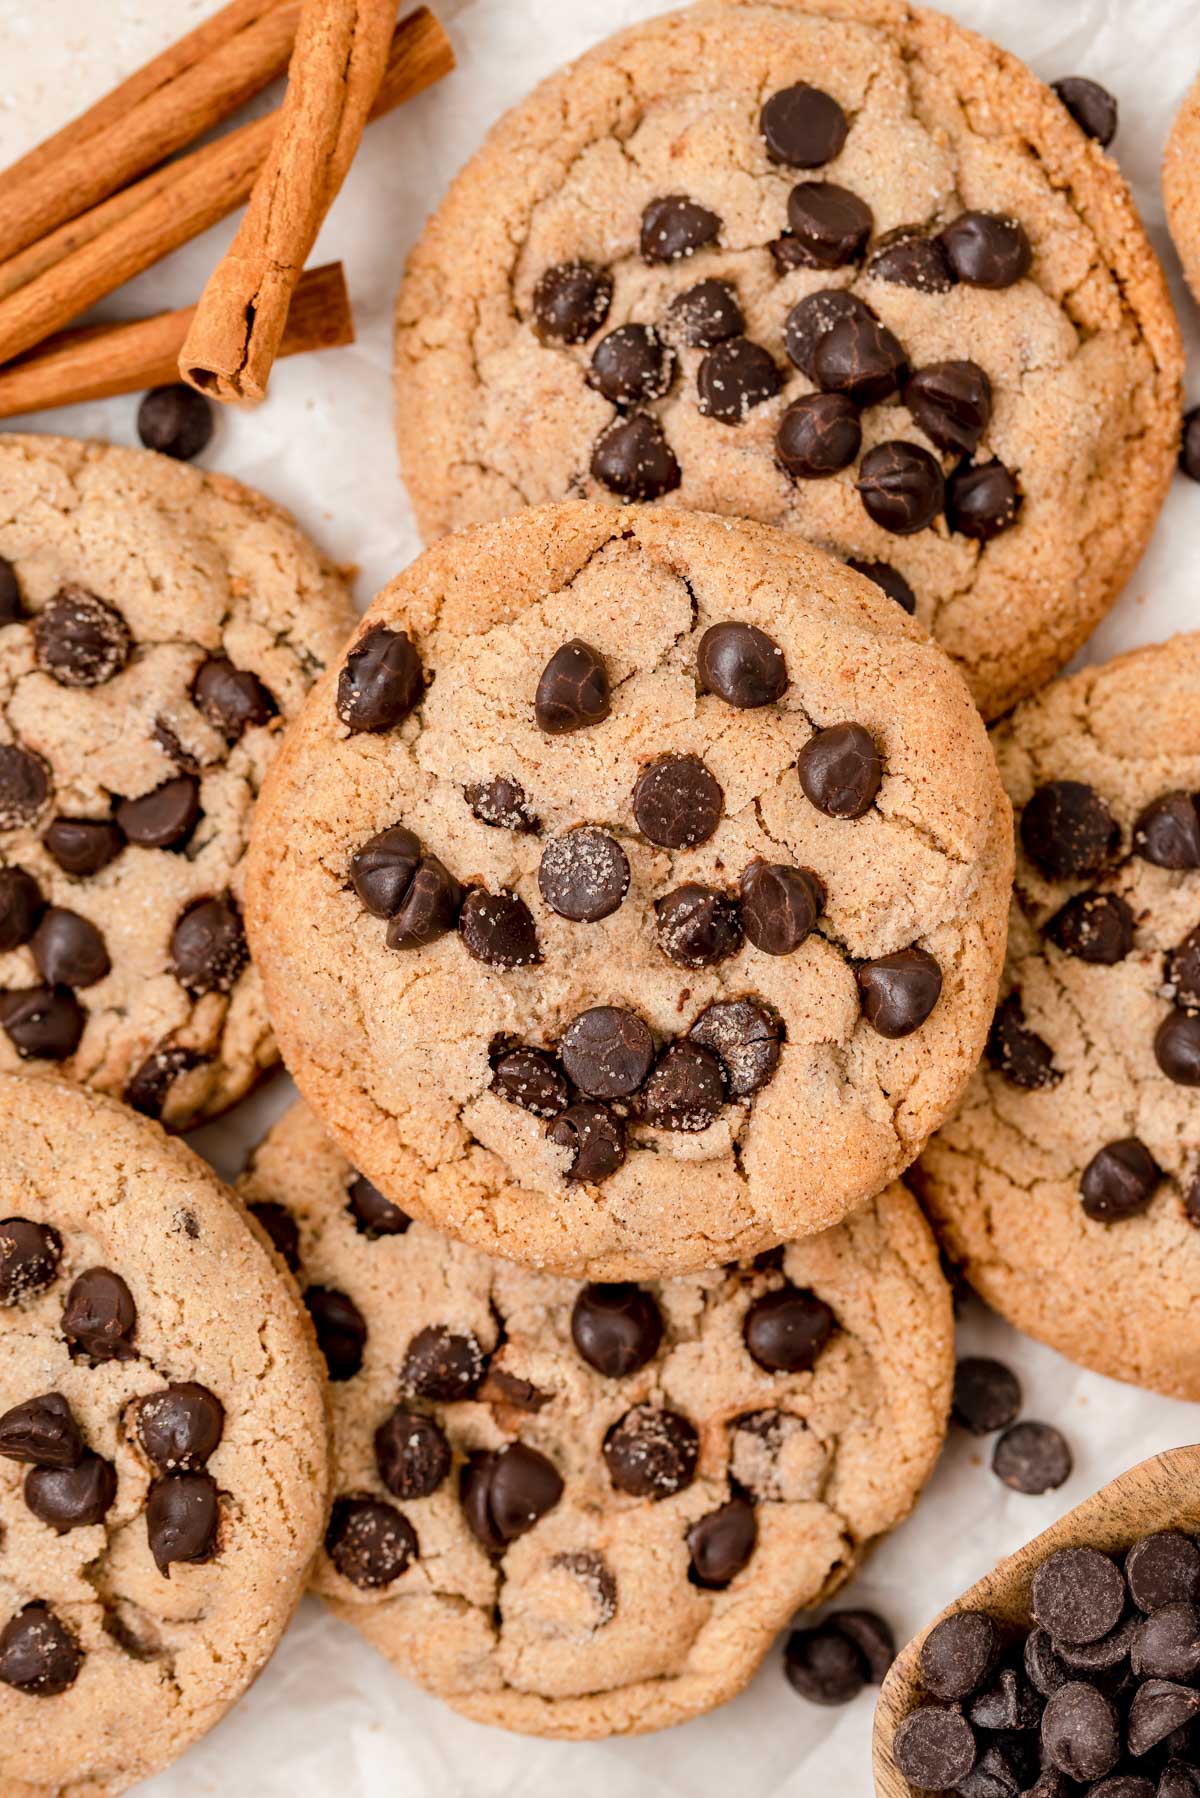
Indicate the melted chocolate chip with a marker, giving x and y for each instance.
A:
(952, 403)
(370, 1542)
(745, 1040)
(651, 1452)
(982, 500)
(811, 318)
(705, 314)
(42, 1432)
(607, 1052)
(149, 1085)
(697, 926)
(99, 1318)
(841, 770)
(506, 1491)
(677, 803)
(381, 872)
(175, 420)
(829, 225)
(71, 1498)
(571, 301)
(785, 1330)
(341, 1330)
(573, 692)
(21, 905)
(595, 1139)
(901, 486)
(501, 804)
(29, 1258)
(374, 1215)
(442, 1366)
(83, 846)
(819, 434)
(780, 906)
(1068, 831)
(1167, 832)
(741, 665)
(164, 818)
(987, 249)
(531, 1078)
(734, 377)
(1032, 1457)
(180, 1426)
(69, 950)
(860, 358)
(10, 591)
(633, 459)
(231, 698)
(889, 579)
(721, 1543)
(412, 1454)
(208, 946)
(583, 875)
(380, 682)
(616, 1328)
(42, 1023)
(1091, 106)
(80, 640)
(1093, 927)
(899, 991)
(802, 126)
(1177, 1047)
(38, 1653)
(430, 907)
(24, 786)
(498, 930)
(675, 226)
(909, 257)
(686, 1090)
(632, 363)
(282, 1229)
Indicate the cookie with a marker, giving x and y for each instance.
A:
(157, 627)
(586, 1510)
(1068, 1185)
(632, 893)
(1181, 184)
(836, 265)
(163, 1445)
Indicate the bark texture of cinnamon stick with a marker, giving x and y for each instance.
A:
(336, 70)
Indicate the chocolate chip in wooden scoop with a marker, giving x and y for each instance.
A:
(1163, 1569)
(934, 1747)
(1166, 1645)
(1078, 1594)
(1159, 1708)
(959, 1654)
(1081, 1733)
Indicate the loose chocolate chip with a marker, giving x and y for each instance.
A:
(802, 126)
(1120, 1180)
(29, 1258)
(1078, 1594)
(38, 1653)
(987, 249)
(633, 458)
(901, 487)
(1189, 445)
(1067, 829)
(175, 420)
(341, 1330)
(42, 1023)
(1046, 1670)
(677, 803)
(908, 257)
(83, 846)
(180, 1426)
(381, 681)
(208, 946)
(734, 377)
(42, 1431)
(429, 909)
(840, 770)
(1094, 927)
(982, 499)
(934, 1747)
(80, 640)
(745, 1040)
(823, 1665)
(1091, 106)
(282, 1229)
(811, 318)
(381, 872)
(686, 1090)
(607, 1051)
(959, 1654)
(501, 803)
(21, 905)
(632, 363)
(1177, 1047)
(505, 1492)
(705, 314)
(675, 226)
(829, 225)
(164, 818)
(987, 1395)
(182, 1517)
(10, 591)
(24, 786)
(595, 1138)
(741, 665)
(721, 1544)
(100, 1317)
(1163, 1569)
(889, 579)
(231, 698)
(860, 358)
(412, 1454)
(583, 875)
(651, 1452)
(899, 991)
(616, 1328)
(1167, 832)
(374, 1215)
(819, 434)
(1159, 1707)
(442, 1366)
(571, 301)
(1017, 1053)
(1006, 1702)
(370, 1542)
(149, 1084)
(952, 403)
(69, 950)
(531, 1078)
(573, 692)
(786, 1330)
(1032, 1457)
(71, 1498)
(1166, 1645)
(870, 1635)
(1080, 1732)
(697, 926)
(780, 906)
(498, 930)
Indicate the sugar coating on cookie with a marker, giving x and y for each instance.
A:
(840, 267)
(1181, 184)
(586, 1510)
(163, 1444)
(158, 625)
(1068, 1184)
(632, 891)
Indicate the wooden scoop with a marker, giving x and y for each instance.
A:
(1160, 1494)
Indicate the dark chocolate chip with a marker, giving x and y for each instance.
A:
(231, 698)
(24, 786)
(934, 1747)
(10, 591)
(840, 770)
(502, 804)
(632, 363)
(341, 1330)
(812, 317)
(909, 257)
(80, 640)
(38, 1653)
(583, 875)
(595, 1138)
(180, 1426)
(860, 358)
(1094, 927)
(1001, 1770)
(1163, 1569)
(532, 1079)
(443, 1366)
(374, 1215)
(175, 420)
(83, 846)
(952, 403)
(282, 1229)
(785, 1330)
(1177, 1780)
(498, 930)
(819, 434)
(823, 1666)
(208, 946)
(1032, 1457)
(573, 692)
(513, 1391)
(829, 225)
(982, 499)
(633, 458)
(901, 486)
(675, 226)
(42, 1431)
(1091, 106)
(69, 950)
(71, 1498)
(21, 905)
(652, 1452)
(1177, 1047)
(42, 1023)
(1120, 1180)
(1166, 1645)
(1019, 1054)
(686, 1090)
(721, 1543)
(29, 1258)
(987, 1395)
(1078, 1594)
(616, 1328)
(182, 1519)
(1068, 831)
(1167, 832)
(1159, 1707)
(571, 301)
(1045, 1668)
(697, 926)
(677, 803)
(734, 377)
(802, 126)
(705, 314)
(870, 1635)
(412, 1454)
(429, 909)
(889, 579)
(381, 872)
(506, 1491)
(1189, 445)
(780, 906)
(607, 1051)
(1107, 1655)
(149, 1084)
(899, 991)
(959, 1654)
(1006, 1702)
(381, 681)
(1182, 971)
(745, 1039)
(741, 665)
(1081, 1735)
(164, 818)
(370, 1542)
(100, 1318)
(987, 249)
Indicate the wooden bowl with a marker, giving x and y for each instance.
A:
(1160, 1494)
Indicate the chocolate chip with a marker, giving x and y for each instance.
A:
(1019, 1054)
(1177, 1047)
(1166, 1645)
(987, 1395)
(908, 257)
(429, 908)
(71, 1498)
(803, 126)
(607, 1051)
(785, 1330)
(721, 1543)
(1120, 1180)
(175, 420)
(675, 226)
(860, 358)
(164, 735)
(24, 786)
(182, 1517)
(1177, 1780)
(501, 804)
(370, 1542)
(38, 1653)
(686, 1090)
(498, 930)
(959, 1654)
(512, 1391)
(1067, 829)
(374, 1215)
(1159, 1707)
(1107, 1655)
(934, 1747)
(741, 665)
(982, 499)
(10, 591)
(100, 1317)
(889, 579)
(282, 1229)
(208, 946)
(616, 1328)
(1189, 445)
(1080, 1732)
(571, 301)
(381, 872)
(80, 640)
(1078, 1594)
(180, 1426)
(899, 991)
(1045, 1669)
(583, 875)
(597, 1578)
(952, 403)
(780, 906)
(697, 926)
(42, 1023)
(819, 434)
(341, 1330)
(632, 363)
(1167, 832)
(734, 377)
(42, 1431)
(148, 1086)
(381, 681)
(870, 1635)
(1091, 106)
(705, 314)
(506, 1491)
(745, 1040)
(1032, 1457)
(1163, 1569)
(164, 818)
(1006, 1702)
(1094, 927)
(83, 846)
(901, 486)
(811, 318)
(412, 1454)
(442, 1366)
(677, 803)
(531, 1078)
(21, 905)
(829, 225)
(651, 1452)
(231, 698)
(29, 1258)
(69, 950)
(840, 770)
(987, 249)
(595, 1138)
(823, 1665)
(573, 691)
(633, 458)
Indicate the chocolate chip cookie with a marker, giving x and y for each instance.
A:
(163, 1445)
(157, 626)
(632, 892)
(837, 265)
(1181, 184)
(586, 1510)
(1068, 1185)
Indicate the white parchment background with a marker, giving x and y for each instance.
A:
(329, 1716)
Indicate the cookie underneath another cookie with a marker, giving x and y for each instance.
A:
(1181, 184)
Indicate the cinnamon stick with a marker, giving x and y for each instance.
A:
(334, 76)
(98, 361)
